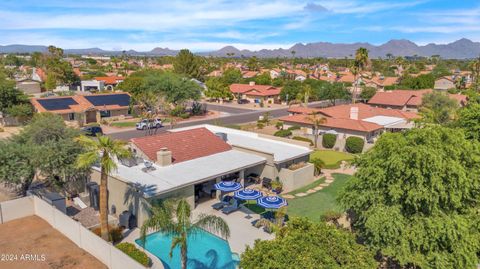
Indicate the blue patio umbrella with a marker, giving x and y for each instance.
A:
(271, 202)
(247, 194)
(228, 186)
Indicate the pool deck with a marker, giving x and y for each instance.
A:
(242, 232)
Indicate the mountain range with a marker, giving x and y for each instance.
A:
(460, 49)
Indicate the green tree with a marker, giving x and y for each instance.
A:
(132, 84)
(474, 66)
(360, 64)
(175, 88)
(469, 120)
(103, 150)
(16, 165)
(175, 219)
(438, 108)
(187, 64)
(217, 89)
(51, 81)
(231, 75)
(253, 64)
(367, 93)
(263, 79)
(316, 121)
(306, 244)
(10, 95)
(291, 89)
(414, 198)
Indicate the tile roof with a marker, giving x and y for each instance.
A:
(184, 145)
(365, 111)
(408, 97)
(347, 124)
(255, 90)
(110, 79)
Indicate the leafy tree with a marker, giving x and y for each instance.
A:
(424, 81)
(253, 64)
(306, 244)
(217, 89)
(441, 70)
(132, 84)
(329, 140)
(474, 66)
(103, 150)
(10, 95)
(187, 64)
(290, 90)
(175, 88)
(50, 82)
(469, 120)
(175, 218)
(316, 121)
(414, 198)
(336, 91)
(438, 108)
(354, 144)
(367, 93)
(232, 75)
(20, 111)
(263, 79)
(16, 165)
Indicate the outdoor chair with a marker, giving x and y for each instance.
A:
(229, 209)
(225, 201)
(267, 183)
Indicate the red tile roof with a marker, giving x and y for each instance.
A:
(110, 79)
(407, 97)
(184, 145)
(365, 111)
(347, 124)
(255, 90)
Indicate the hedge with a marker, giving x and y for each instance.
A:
(135, 253)
(328, 140)
(283, 133)
(354, 144)
(295, 127)
(304, 139)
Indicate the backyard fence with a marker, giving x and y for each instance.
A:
(105, 252)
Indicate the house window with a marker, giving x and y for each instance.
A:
(71, 116)
(104, 113)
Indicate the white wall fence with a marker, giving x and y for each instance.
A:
(105, 252)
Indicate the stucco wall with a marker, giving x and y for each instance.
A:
(294, 179)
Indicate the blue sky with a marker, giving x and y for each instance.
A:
(247, 24)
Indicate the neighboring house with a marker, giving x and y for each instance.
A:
(275, 73)
(85, 108)
(186, 163)
(249, 74)
(359, 120)
(110, 82)
(444, 83)
(92, 85)
(29, 86)
(38, 74)
(256, 93)
(380, 82)
(409, 100)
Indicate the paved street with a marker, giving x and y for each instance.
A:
(238, 118)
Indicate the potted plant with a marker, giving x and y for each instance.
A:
(277, 186)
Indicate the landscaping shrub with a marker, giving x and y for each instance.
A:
(304, 139)
(135, 253)
(279, 125)
(114, 233)
(177, 111)
(184, 115)
(260, 125)
(354, 144)
(295, 127)
(283, 133)
(328, 140)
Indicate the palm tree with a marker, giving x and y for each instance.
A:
(316, 122)
(103, 150)
(307, 92)
(361, 63)
(475, 67)
(174, 218)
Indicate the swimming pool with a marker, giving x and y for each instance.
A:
(204, 251)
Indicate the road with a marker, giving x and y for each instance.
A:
(238, 116)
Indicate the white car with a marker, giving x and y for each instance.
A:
(149, 124)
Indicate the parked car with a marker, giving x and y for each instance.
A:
(149, 124)
(243, 101)
(92, 130)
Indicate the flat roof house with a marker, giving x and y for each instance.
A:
(256, 93)
(186, 163)
(85, 108)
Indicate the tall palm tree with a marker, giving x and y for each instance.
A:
(316, 121)
(361, 63)
(174, 218)
(307, 92)
(475, 67)
(103, 150)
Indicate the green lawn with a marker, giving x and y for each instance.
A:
(123, 124)
(315, 204)
(309, 186)
(332, 158)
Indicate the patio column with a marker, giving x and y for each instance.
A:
(218, 193)
(242, 177)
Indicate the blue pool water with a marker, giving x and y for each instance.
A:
(204, 251)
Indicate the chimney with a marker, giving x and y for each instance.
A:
(354, 113)
(164, 157)
(251, 83)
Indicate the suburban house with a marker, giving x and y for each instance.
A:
(444, 83)
(256, 93)
(29, 86)
(409, 100)
(186, 163)
(100, 83)
(359, 120)
(380, 82)
(85, 108)
(110, 82)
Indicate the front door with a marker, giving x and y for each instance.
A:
(91, 116)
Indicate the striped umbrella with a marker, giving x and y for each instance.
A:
(247, 194)
(228, 186)
(273, 202)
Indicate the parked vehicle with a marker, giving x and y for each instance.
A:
(243, 101)
(92, 130)
(149, 124)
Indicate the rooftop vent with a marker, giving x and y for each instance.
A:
(148, 167)
(223, 136)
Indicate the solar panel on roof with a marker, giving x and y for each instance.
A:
(57, 103)
(110, 99)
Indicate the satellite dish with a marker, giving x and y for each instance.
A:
(148, 164)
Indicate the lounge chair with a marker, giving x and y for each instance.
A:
(267, 183)
(225, 202)
(229, 209)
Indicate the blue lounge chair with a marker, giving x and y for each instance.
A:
(229, 209)
(225, 202)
